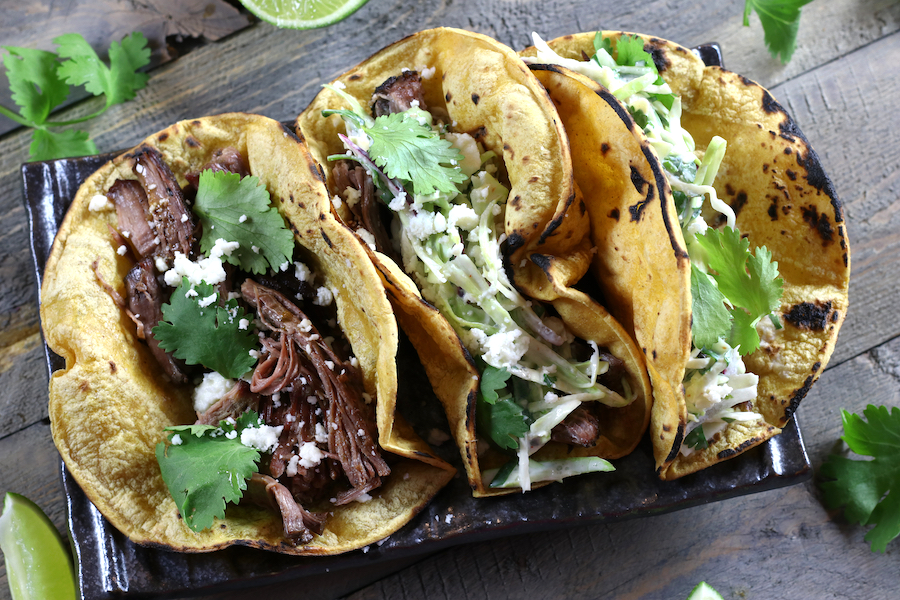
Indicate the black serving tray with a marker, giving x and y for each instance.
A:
(110, 566)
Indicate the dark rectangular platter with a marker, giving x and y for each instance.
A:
(110, 566)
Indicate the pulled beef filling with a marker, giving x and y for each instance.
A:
(300, 382)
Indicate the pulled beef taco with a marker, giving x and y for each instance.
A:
(446, 157)
(742, 253)
(227, 340)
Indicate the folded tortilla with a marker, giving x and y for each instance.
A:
(489, 93)
(783, 200)
(110, 404)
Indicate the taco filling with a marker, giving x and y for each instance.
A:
(446, 201)
(281, 407)
(734, 290)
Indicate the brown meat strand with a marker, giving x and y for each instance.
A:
(366, 211)
(335, 384)
(133, 214)
(398, 93)
(299, 523)
(170, 216)
(225, 160)
(145, 299)
(580, 428)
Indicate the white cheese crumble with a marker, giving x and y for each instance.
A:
(210, 390)
(205, 270)
(99, 203)
(121, 250)
(324, 296)
(176, 440)
(264, 438)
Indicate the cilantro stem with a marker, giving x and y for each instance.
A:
(16, 117)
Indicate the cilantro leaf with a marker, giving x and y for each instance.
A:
(696, 439)
(210, 336)
(493, 379)
(503, 421)
(710, 318)
(780, 20)
(409, 150)
(239, 210)
(209, 467)
(119, 81)
(33, 81)
(39, 82)
(748, 281)
(869, 490)
(47, 145)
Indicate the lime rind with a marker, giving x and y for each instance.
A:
(36, 560)
(302, 14)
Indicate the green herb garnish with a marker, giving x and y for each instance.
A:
(40, 80)
(868, 490)
(780, 20)
(207, 335)
(206, 466)
(239, 210)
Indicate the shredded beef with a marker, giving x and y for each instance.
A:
(304, 359)
(170, 217)
(398, 93)
(145, 300)
(580, 428)
(299, 523)
(366, 209)
(132, 212)
(227, 160)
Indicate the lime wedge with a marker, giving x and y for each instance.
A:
(704, 591)
(302, 14)
(38, 566)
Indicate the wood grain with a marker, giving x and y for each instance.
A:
(843, 93)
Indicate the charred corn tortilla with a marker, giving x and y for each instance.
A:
(111, 403)
(773, 181)
(488, 92)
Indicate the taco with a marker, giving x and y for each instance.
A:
(444, 154)
(748, 260)
(222, 334)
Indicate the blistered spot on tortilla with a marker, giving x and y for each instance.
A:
(507, 148)
(769, 104)
(655, 47)
(516, 202)
(162, 137)
(604, 148)
(819, 222)
(525, 159)
(639, 183)
(326, 238)
(480, 133)
(355, 77)
(316, 173)
(515, 241)
(112, 367)
(614, 214)
(729, 452)
(773, 209)
(808, 315)
(475, 98)
(196, 123)
(799, 394)
(676, 445)
(791, 175)
(582, 207)
(739, 201)
(448, 97)
(666, 427)
(192, 141)
(542, 261)
(85, 386)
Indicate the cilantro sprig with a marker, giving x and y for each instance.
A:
(749, 282)
(500, 418)
(40, 80)
(206, 467)
(868, 490)
(239, 210)
(207, 335)
(780, 20)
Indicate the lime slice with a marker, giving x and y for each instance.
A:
(38, 566)
(302, 14)
(704, 591)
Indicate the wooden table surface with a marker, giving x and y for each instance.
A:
(843, 91)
